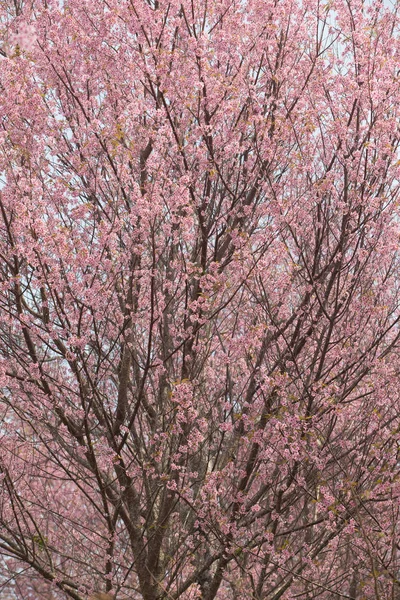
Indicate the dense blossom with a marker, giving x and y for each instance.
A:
(199, 299)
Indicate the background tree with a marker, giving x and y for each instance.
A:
(199, 299)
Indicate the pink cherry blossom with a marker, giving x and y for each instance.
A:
(199, 299)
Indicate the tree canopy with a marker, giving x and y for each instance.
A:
(199, 299)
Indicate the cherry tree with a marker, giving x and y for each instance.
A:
(199, 299)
